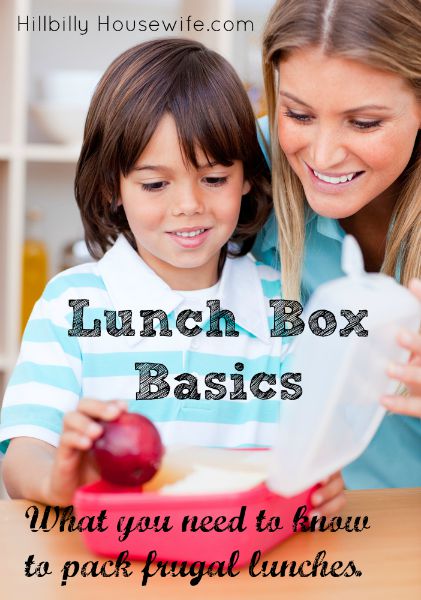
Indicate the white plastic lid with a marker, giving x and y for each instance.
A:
(343, 377)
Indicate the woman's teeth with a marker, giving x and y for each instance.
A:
(189, 233)
(341, 179)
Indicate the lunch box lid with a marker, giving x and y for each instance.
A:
(343, 375)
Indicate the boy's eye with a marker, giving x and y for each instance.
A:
(301, 117)
(366, 124)
(215, 181)
(155, 186)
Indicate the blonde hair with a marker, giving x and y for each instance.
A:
(384, 34)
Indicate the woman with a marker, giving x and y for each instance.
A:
(343, 82)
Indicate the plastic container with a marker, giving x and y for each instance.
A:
(343, 378)
(187, 546)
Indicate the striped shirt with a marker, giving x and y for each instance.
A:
(54, 369)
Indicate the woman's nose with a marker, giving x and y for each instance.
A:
(327, 149)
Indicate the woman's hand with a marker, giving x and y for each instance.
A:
(409, 374)
(329, 499)
(73, 465)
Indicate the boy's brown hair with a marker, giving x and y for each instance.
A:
(212, 113)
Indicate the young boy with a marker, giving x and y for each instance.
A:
(172, 178)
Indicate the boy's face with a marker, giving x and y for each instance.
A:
(181, 217)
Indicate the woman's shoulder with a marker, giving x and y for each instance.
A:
(263, 127)
(265, 248)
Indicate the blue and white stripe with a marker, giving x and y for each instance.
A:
(55, 370)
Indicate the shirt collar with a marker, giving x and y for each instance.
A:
(329, 228)
(241, 288)
(130, 283)
(326, 226)
(270, 233)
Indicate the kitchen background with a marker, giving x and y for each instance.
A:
(47, 78)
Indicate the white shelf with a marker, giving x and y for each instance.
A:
(48, 153)
(5, 363)
(53, 153)
(5, 152)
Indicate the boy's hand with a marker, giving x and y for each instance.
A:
(409, 374)
(73, 465)
(329, 499)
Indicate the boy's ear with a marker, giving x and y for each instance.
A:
(246, 187)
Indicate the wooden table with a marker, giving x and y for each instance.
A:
(388, 554)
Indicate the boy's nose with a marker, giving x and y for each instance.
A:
(188, 202)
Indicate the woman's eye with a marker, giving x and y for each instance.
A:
(215, 181)
(155, 186)
(301, 117)
(366, 124)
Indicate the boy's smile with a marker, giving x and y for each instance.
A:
(180, 216)
(189, 237)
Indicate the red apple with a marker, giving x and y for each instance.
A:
(129, 450)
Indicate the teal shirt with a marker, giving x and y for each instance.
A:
(393, 458)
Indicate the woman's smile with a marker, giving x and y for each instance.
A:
(333, 183)
(347, 129)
